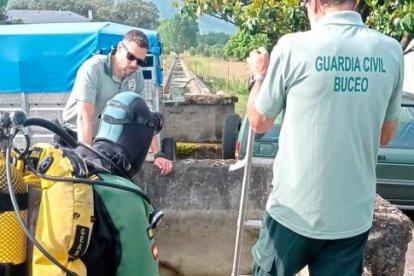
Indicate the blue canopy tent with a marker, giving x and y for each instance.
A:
(46, 57)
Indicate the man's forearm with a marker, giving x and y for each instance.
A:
(155, 148)
(84, 121)
(388, 130)
(258, 122)
(258, 61)
(84, 127)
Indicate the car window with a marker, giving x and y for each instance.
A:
(404, 137)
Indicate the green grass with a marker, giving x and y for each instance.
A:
(229, 77)
(167, 61)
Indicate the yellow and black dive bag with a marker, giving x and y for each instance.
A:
(66, 211)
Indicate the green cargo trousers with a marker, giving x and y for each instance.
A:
(282, 252)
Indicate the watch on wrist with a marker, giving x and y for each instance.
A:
(160, 154)
(252, 80)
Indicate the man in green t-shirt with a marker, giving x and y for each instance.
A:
(339, 87)
(102, 77)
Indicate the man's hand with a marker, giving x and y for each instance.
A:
(164, 165)
(258, 61)
(161, 162)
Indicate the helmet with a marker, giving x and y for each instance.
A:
(126, 130)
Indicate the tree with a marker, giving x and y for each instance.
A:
(179, 33)
(217, 51)
(131, 12)
(277, 17)
(213, 38)
(211, 44)
(242, 43)
(393, 18)
(200, 49)
(136, 13)
(3, 14)
(273, 18)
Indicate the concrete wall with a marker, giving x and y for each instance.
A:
(199, 119)
(201, 201)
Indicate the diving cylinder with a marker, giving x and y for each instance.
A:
(12, 237)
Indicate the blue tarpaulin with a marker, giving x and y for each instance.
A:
(46, 57)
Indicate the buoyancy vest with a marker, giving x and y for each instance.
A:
(66, 211)
(122, 242)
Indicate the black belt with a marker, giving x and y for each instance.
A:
(6, 204)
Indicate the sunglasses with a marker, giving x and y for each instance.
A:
(131, 57)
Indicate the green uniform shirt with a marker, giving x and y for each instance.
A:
(95, 84)
(336, 84)
(128, 213)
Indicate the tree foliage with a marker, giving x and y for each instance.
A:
(131, 12)
(273, 18)
(277, 17)
(393, 18)
(213, 38)
(136, 13)
(210, 44)
(178, 33)
(3, 14)
(243, 43)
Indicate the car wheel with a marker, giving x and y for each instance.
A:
(169, 148)
(230, 131)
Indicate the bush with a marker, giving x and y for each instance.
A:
(192, 51)
(217, 51)
(206, 52)
(200, 49)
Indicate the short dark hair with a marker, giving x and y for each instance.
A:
(138, 37)
(336, 2)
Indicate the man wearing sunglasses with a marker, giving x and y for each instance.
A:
(102, 77)
(339, 86)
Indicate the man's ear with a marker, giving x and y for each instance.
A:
(315, 5)
(356, 5)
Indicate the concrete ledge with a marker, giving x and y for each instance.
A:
(199, 119)
(209, 99)
(204, 185)
(388, 241)
(201, 201)
(198, 151)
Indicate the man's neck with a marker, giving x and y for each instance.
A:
(116, 72)
(346, 6)
(327, 9)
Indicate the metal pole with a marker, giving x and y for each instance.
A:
(243, 200)
(25, 109)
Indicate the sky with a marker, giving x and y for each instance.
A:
(206, 23)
